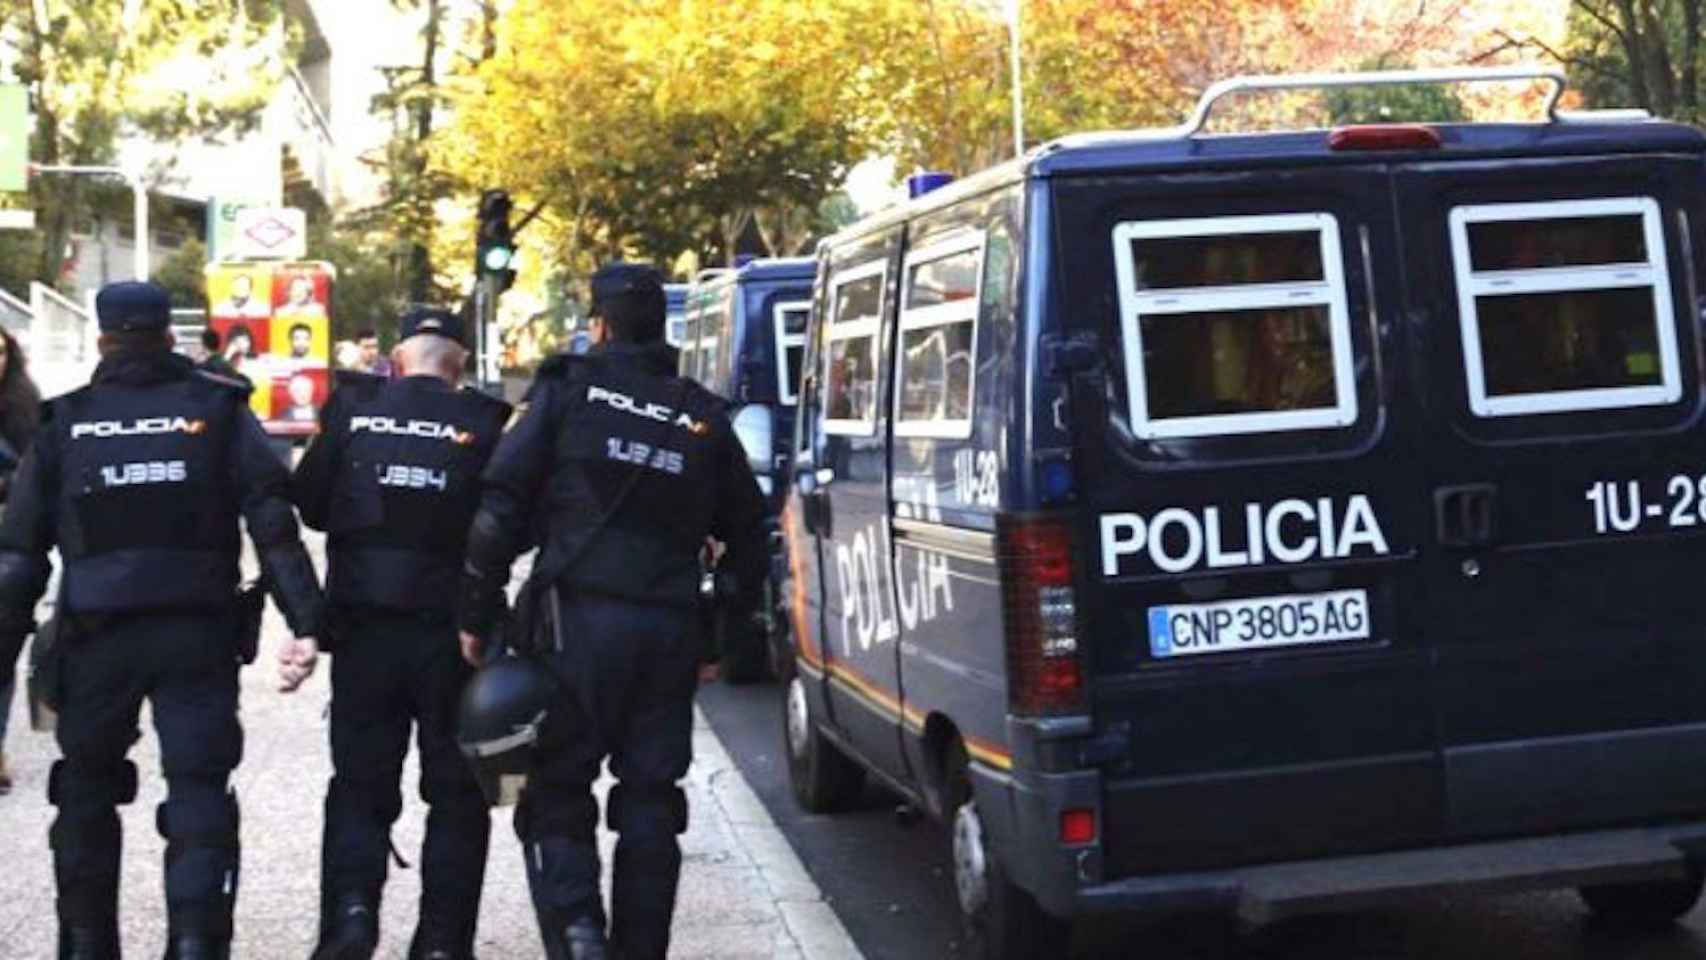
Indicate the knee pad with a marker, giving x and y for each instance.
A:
(113, 785)
(642, 809)
(571, 814)
(190, 824)
(384, 801)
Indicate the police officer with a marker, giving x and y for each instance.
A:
(393, 478)
(628, 468)
(139, 479)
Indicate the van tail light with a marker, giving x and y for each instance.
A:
(1077, 827)
(1384, 136)
(1045, 673)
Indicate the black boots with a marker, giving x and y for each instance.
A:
(442, 938)
(584, 940)
(352, 931)
(98, 942)
(191, 946)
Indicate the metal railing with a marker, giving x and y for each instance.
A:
(1372, 78)
(62, 341)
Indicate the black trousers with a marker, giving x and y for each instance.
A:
(629, 673)
(185, 666)
(391, 671)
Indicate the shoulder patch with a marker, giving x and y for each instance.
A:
(242, 387)
(364, 385)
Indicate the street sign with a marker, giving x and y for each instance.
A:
(14, 138)
(222, 225)
(17, 219)
(269, 233)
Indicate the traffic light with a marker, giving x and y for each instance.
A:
(494, 254)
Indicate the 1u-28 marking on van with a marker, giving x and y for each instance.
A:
(1621, 506)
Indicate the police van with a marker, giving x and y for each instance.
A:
(675, 313)
(1268, 523)
(744, 334)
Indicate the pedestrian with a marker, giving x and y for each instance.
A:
(628, 468)
(401, 459)
(214, 361)
(20, 417)
(372, 361)
(140, 479)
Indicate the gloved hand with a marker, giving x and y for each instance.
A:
(296, 662)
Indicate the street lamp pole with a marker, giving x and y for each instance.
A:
(139, 194)
(1012, 10)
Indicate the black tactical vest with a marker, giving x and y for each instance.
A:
(406, 483)
(634, 484)
(147, 503)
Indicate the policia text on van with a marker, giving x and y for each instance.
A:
(1258, 522)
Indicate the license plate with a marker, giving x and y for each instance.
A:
(1257, 623)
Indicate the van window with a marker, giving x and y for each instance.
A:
(791, 317)
(1565, 306)
(1235, 325)
(689, 363)
(850, 355)
(938, 338)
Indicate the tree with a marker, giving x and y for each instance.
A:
(1642, 53)
(99, 70)
(668, 133)
(182, 274)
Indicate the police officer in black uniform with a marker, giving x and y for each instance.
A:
(627, 468)
(393, 478)
(139, 478)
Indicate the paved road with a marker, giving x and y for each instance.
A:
(888, 881)
(743, 894)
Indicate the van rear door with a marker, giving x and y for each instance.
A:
(1253, 506)
(1554, 304)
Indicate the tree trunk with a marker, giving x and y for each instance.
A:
(732, 225)
(1635, 50)
(420, 253)
(1689, 92)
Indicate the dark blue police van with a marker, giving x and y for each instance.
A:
(1268, 523)
(743, 337)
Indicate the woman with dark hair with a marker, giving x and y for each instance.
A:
(20, 416)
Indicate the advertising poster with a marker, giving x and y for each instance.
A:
(239, 308)
(274, 322)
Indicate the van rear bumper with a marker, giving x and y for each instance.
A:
(1265, 893)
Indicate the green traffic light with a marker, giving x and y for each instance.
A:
(498, 258)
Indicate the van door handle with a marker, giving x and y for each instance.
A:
(1466, 515)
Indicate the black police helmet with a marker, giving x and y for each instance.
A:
(502, 710)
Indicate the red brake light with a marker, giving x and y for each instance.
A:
(1044, 671)
(1384, 136)
(1078, 827)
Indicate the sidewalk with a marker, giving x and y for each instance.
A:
(743, 893)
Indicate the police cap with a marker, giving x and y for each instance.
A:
(434, 320)
(621, 279)
(133, 306)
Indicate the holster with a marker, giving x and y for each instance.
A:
(248, 605)
(47, 670)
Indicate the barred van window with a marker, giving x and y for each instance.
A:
(791, 318)
(850, 354)
(1565, 306)
(1235, 325)
(938, 337)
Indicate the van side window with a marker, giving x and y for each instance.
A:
(1565, 306)
(938, 338)
(850, 353)
(1235, 325)
(790, 322)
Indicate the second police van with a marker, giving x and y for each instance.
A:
(1265, 523)
(743, 334)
